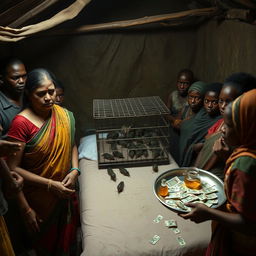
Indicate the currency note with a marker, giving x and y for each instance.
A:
(170, 223)
(205, 203)
(174, 189)
(155, 239)
(173, 181)
(208, 204)
(202, 197)
(158, 218)
(189, 199)
(182, 206)
(206, 184)
(171, 202)
(194, 191)
(210, 190)
(184, 194)
(181, 241)
(176, 195)
(213, 201)
(212, 196)
(175, 230)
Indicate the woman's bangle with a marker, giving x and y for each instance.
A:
(75, 168)
(49, 184)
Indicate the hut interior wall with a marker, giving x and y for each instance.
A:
(136, 63)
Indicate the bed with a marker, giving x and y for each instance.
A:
(122, 224)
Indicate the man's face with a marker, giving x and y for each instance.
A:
(15, 78)
(183, 84)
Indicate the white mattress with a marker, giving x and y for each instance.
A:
(122, 224)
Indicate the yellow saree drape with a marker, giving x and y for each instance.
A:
(48, 154)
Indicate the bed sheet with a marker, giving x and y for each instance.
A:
(122, 224)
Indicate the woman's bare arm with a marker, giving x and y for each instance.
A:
(56, 186)
(14, 161)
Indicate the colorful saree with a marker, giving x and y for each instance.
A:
(240, 182)
(48, 154)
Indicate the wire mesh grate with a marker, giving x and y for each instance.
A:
(129, 107)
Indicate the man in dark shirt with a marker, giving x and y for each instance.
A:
(12, 83)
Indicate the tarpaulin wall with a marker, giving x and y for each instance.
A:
(137, 63)
(110, 65)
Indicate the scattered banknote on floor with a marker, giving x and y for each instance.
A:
(175, 230)
(170, 223)
(155, 239)
(181, 241)
(158, 218)
(179, 195)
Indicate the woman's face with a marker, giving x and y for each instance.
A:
(43, 97)
(211, 103)
(195, 100)
(229, 134)
(59, 96)
(183, 84)
(227, 95)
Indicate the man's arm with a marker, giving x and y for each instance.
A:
(13, 182)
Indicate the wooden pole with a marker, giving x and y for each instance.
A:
(176, 18)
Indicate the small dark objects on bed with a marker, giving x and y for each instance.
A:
(111, 174)
(120, 187)
(124, 171)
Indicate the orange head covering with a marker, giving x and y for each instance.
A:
(244, 120)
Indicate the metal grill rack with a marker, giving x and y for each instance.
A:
(130, 107)
(131, 131)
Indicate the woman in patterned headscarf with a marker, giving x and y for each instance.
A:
(234, 228)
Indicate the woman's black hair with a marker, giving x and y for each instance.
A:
(187, 72)
(242, 81)
(34, 80)
(214, 87)
(59, 84)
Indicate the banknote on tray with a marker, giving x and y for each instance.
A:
(179, 194)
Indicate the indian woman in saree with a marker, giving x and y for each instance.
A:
(234, 226)
(48, 163)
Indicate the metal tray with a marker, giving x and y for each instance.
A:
(205, 177)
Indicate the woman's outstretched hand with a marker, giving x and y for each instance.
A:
(199, 212)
